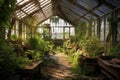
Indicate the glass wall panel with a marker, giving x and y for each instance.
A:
(107, 26)
(118, 31)
(102, 30)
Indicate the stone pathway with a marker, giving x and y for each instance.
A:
(61, 70)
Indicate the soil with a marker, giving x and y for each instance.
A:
(59, 70)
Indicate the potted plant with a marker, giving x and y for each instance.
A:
(91, 48)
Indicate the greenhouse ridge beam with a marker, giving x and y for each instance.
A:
(39, 9)
(28, 15)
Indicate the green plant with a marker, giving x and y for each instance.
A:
(40, 44)
(77, 65)
(36, 55)
(92, 47)
(23, 61)
(7, 58)
(7, 61)
(54, 19)
(114, 50)
(59, 49)
(6, 9)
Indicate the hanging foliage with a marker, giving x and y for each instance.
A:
(54, 19)
(6, 9)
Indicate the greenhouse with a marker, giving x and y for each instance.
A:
(59, 39)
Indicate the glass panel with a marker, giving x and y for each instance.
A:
(96, 28)
(114, 2)
(44, 2)
(118, 31)
(98, 12)
(107, 27)
(59, 28)
(21, 2)
(89, 4)
(104, 8)
(72, 31)
(102, 30)
(66, 33)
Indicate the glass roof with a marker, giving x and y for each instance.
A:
(68, 9)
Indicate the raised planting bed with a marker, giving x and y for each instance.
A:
(29, 70)
(89, 65)
(110, 66)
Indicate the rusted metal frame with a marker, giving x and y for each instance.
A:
(29, 7)
(110, 12)
(80, 6)
(18, 7)
(54, 6)
(107, 4)
(98, 5)
(72, 11)
(33, 11)
(44, 20)
(47, 7)
(22, 21)
(38, 10)
(28, 11)
(28, 15)
(52, 2)
(38, 3)
(22, 13)
(97, 9)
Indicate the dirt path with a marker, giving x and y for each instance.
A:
(61, 71)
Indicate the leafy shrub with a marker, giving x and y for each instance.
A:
(7, 61)
(36, 55)
(114, 50)
(40, 44)
(92, 47)
(23, 61)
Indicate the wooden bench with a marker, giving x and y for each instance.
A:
(28, 71)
